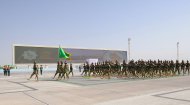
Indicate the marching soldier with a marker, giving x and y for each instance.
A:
(91, 69)
(177, 67)
(71, 69)
(124, 69)
(58, 70)
(106, 70)
(183, 67)
(84, 70)
(35, 71)
(64, 71)
(172, 66)
(187, 65)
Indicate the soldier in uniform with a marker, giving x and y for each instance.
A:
(96, 69)
(41, 69)
(151, 69)
(159, 67)
(177, 67)
(124, 69)
(106, 70)
(183, 67)
(88, 68)
(132, 67)
(171, 67)
(187, 65)
(71, 69)
(143, 68)
(58, 70)
(154, 68)
(117, 68)
(166, 67)
(138, 68)
(84, 70)
(65, 71)
(35, 71)
(102, 70)
(91, 69)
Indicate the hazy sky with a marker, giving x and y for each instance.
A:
(154, 26)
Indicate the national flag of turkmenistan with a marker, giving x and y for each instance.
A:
(63, 54)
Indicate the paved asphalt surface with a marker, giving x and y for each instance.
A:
(78, 90)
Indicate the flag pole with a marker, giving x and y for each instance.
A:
(58, 54)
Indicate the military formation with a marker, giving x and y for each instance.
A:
(133, 69)
(136, 69)
(63, 70)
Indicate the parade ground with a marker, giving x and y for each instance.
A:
(78, 90)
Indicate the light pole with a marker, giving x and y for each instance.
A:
(178, 51)
(129, 39)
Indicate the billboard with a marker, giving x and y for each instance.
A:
(27, 54)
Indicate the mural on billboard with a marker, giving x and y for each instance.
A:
(27, 54)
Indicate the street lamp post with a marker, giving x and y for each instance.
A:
(129, 39)
(177, 50)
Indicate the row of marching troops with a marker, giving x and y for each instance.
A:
(137, 69)
(63, 70)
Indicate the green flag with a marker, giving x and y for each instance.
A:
(68, 54)
(63, 54)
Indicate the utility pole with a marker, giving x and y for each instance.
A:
(178, 51)
(129, 39)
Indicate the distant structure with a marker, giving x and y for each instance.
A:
(129, 51)
(26, 54)
(177, 50)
